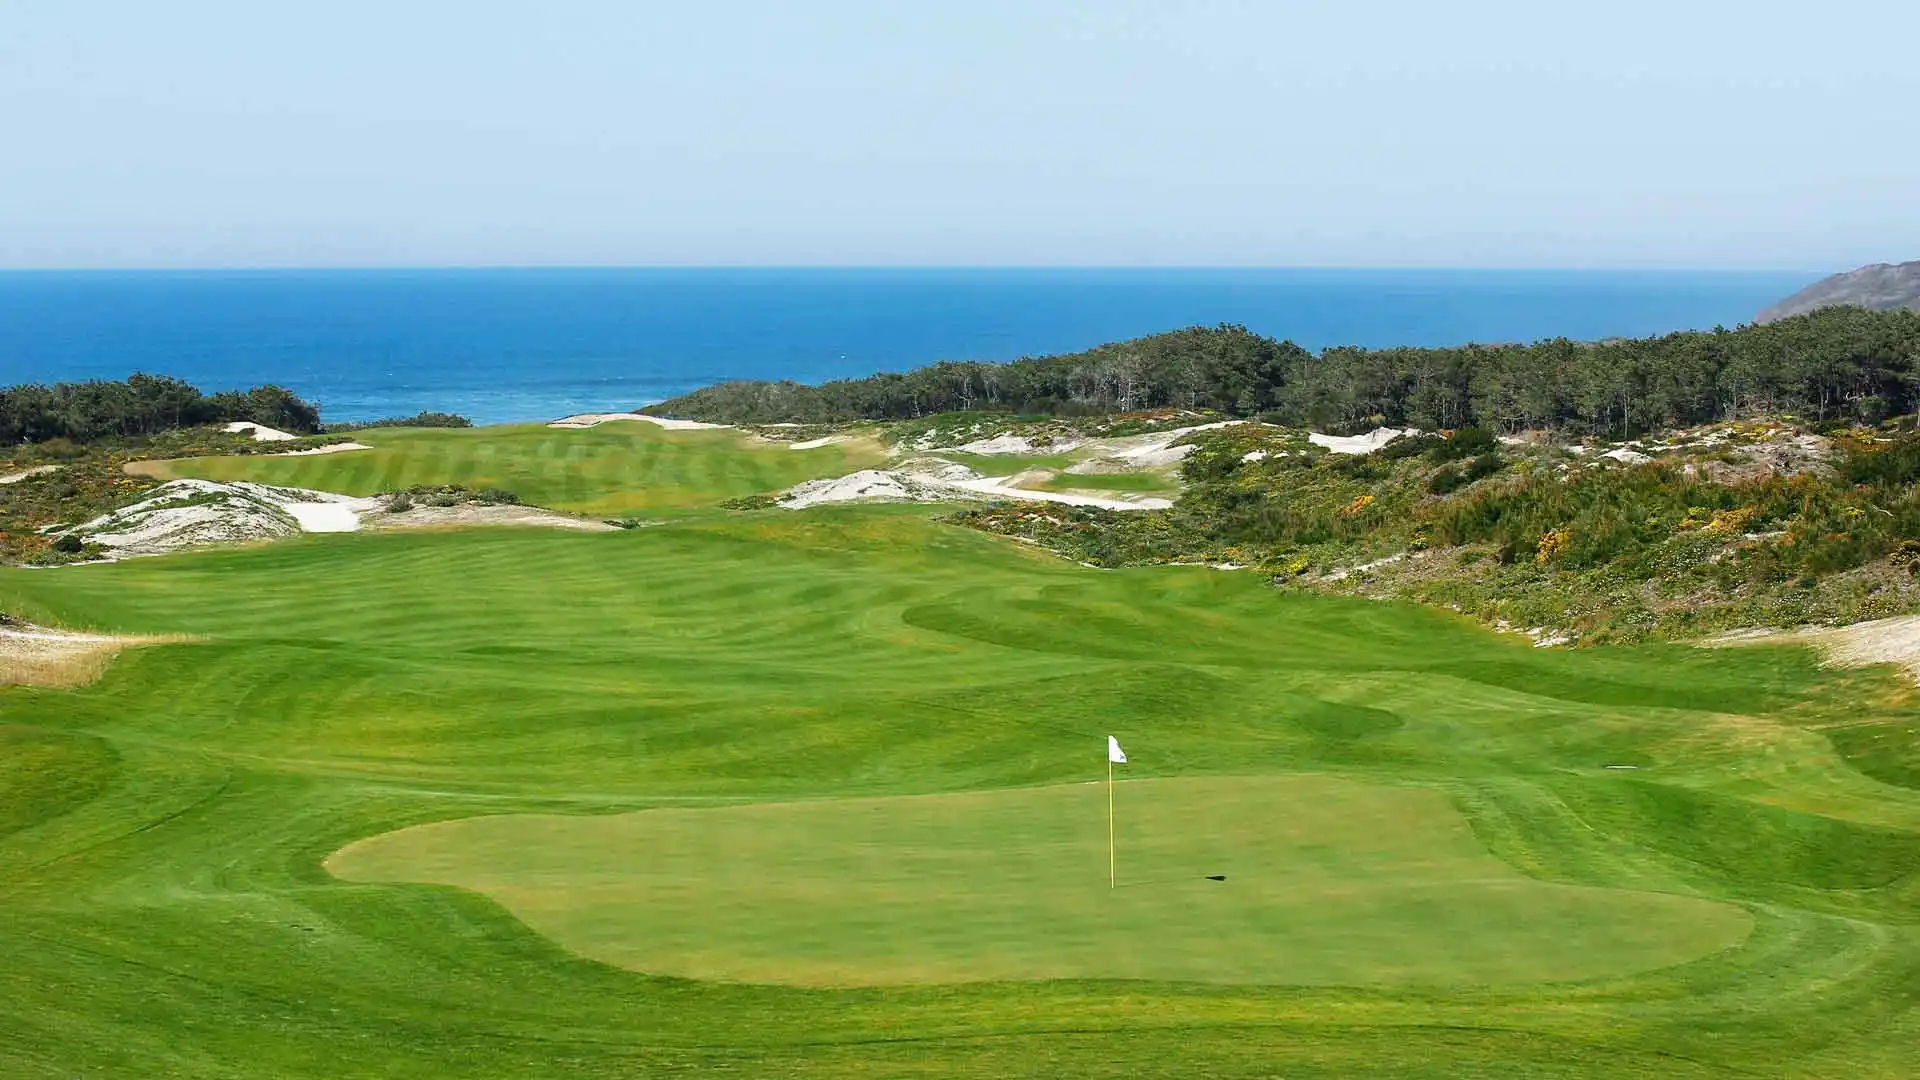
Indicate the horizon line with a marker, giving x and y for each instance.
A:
(294, 268)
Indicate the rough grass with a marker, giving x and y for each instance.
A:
(61, 662)
(610, 469)
(1009, 464)
(165, 909)
(60, 670)
(1146, 483)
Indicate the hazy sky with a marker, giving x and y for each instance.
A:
(1346, 132)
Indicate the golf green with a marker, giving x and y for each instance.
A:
(1327, 881)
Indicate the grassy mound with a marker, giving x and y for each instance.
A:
(165, 907)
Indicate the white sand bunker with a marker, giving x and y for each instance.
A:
(327, 517)
(939, 481)
(263, 433)
(191, 513)
(1001, 487)
(1155, 450)
(260, 432)
(195, 513)
(1360, 444)
(587, 420)
(867, 484)
(1879, 641)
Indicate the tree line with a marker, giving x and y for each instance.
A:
(141, 405)
(1839, 364)
(423, 418)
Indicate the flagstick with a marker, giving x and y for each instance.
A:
(1113, 880)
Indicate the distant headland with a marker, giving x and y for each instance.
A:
(1880, 287)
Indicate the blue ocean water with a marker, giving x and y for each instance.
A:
(507, 345)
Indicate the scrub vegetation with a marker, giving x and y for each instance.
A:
(1727, 526)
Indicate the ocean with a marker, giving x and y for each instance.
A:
(521, 345)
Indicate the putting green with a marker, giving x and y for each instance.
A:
(1329, 881)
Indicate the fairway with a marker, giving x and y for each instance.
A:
(805, 795)
(1327, 882)
(614, 468)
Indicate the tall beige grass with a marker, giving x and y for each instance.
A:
(63, 663)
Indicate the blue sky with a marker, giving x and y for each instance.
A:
(1708, 133)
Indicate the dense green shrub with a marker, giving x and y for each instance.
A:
(1897, 462)
(141, 405)
(417, 420)
(1465, 443)
(1484, 466)
(449, 495)
(1410, 446)
(1447, 480)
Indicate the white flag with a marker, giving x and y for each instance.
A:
(1114, 753)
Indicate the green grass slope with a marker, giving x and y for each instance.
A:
(166, 907)
(614, 468)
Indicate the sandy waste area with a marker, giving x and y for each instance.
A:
(195, 513)
(26, 474)
(58, 659)
(1878, 641)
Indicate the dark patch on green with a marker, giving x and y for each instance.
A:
(1739, 839)
(1888, 751)
(44, 774)
(1337, 722)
